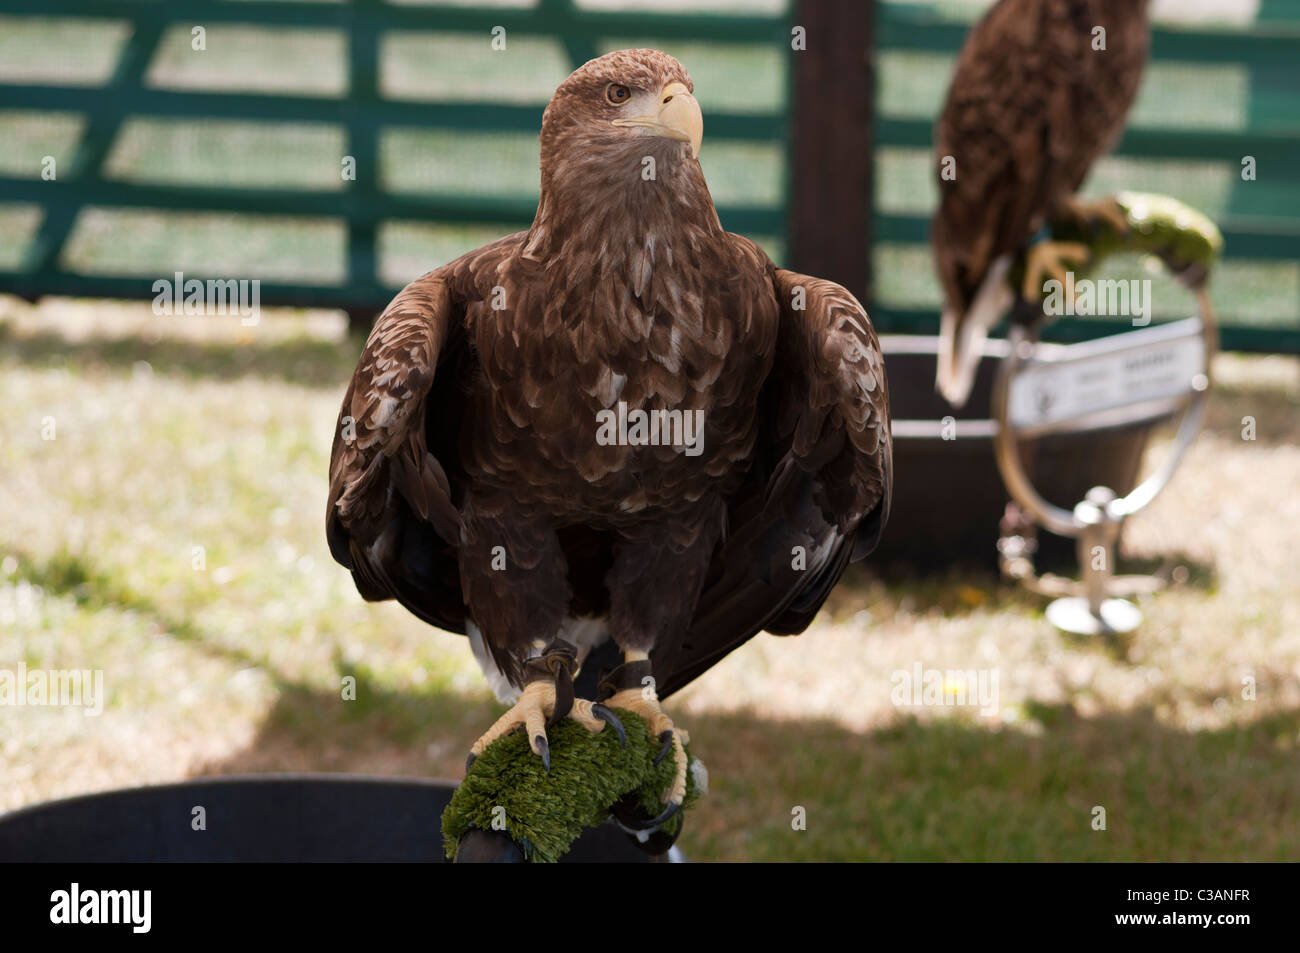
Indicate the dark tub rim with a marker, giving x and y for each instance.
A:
(281, 776)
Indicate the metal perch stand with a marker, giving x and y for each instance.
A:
(1098, 603)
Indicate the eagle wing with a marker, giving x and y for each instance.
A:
(392, 517)
(818, 494)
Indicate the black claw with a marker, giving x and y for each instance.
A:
(611, 719)
(629, 815)
(665, 739)
(469, 762)
(543, 751)
(668, 812)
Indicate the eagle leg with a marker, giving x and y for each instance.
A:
(1050, 258)
(627, 687)
(546, 699)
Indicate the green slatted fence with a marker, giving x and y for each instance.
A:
(441, 134)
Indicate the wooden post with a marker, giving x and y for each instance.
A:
(363, 146)
(831, 110)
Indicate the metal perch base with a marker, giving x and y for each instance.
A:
(1032, 396)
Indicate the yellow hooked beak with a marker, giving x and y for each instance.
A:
(678, 117)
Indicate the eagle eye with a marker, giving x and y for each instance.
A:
(617, 94)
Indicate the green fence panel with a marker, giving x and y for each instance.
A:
(364, 111)
(1260, 306)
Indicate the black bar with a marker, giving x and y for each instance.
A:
(910, 904)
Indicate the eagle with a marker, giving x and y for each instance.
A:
(1040, 91)
(622, 434)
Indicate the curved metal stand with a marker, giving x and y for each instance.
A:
(1093, 604)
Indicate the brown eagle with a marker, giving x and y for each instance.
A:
(1039, 93)
(622, 434)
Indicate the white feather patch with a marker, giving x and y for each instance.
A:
(506, 693)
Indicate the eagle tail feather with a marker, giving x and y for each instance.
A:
(961, 343)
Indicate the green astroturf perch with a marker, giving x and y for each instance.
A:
(1183, 239)
(507, 788)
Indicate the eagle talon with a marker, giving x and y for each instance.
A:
(659, 726)
(648, 823)
(1091, 212)
(530, 713)
(1050, 258)
(627, 813)
(666, 740)
(536, 709)
(611, 719)
(665, 815)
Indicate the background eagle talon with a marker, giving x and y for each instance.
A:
(1050, 258)
(1090, 212)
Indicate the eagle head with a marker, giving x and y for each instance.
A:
(621, 102)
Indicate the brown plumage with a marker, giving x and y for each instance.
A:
(1032, 105)
(469, 431)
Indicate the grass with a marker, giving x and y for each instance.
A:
(175, 433)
